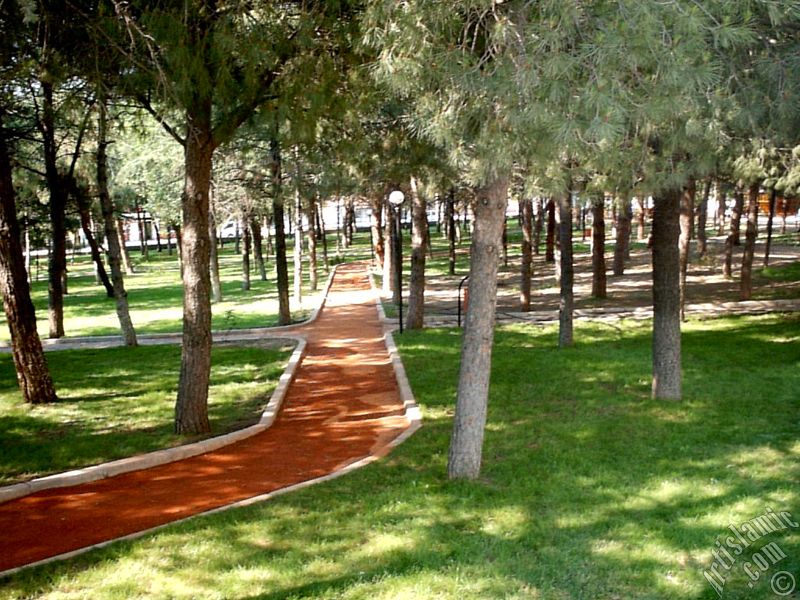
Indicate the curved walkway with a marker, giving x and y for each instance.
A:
(343, 408)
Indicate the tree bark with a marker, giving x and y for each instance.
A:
(377, 229)
(773, 197)
(111, 231)
(746, 281)
(526, 268)
(58, 203)
(246, 239)
(550, 240)
(736, 218)
(476, 351)
(702, 220)
(33, 375)
(566, 270)
(666, 297)
(451, 232)
(623, 242)
(297, 287)
(191, 407)
(216, 284)
(538, 224)
(599, 285)
(640, 236)
(126, 257)
(258, 247)
(312, 244)
(685, 239)
(419, 237)
(86, 224)
(719, 194)
(281, 266)
(323, 234)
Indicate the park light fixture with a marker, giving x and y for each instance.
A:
(396, 199)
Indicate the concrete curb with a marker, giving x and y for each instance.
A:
(167, 455)
(412, 414)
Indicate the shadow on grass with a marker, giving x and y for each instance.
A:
(589, 488)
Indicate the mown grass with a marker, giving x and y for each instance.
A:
(589, 488)
(119, 402)
(155, 294)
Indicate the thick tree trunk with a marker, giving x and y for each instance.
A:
(246, 238)
(746, 282)
(258, 247)
(216, 284)
(112, 236)
(281, 266)
(476, 350)
(33, 375)
(773, 197)
(312, 245)
(599, 285)
(702, 220)
(191, 407)
(623, 242)
(685, 239)
(550, 240)
(419, 238)
(377, 229)
(666, 297)
(526, 268)
(566, 270)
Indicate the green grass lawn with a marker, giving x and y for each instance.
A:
(589, 488)
(155, 294)
(119, 402)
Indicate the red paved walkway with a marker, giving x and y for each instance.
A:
(342, 406)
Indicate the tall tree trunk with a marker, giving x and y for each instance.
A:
(702, 220)
(112, 233)
(419, 238)
(216, 284)
(466, 444)
(666, 297)
(297, 289)
(526, 268)
(33, 375)
(685, 239)
(376, 204)
(258, 247)
(281, 266)
(719, 194)
(126, 257)
(323, 233)
(746, 282)
(312, 244)
(599, 287)
(736, 217)
(58, 204)
(389, 275)
(246, 238)
(623, 241)
(566, 270)
(773, 197)
(642, 217)
(86, 224)
(191, 407)
(538, 225)
(550, 240)
(451, 232)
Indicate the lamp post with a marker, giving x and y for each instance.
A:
(396, 200)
